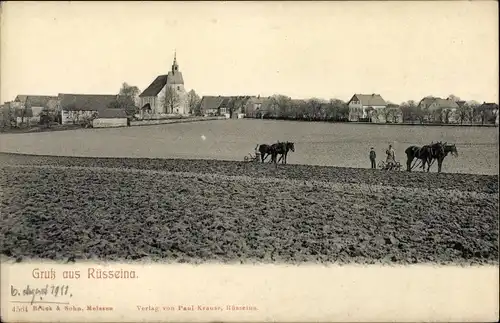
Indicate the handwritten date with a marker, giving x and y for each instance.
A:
(55, 291)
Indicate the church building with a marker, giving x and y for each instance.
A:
(166, 95)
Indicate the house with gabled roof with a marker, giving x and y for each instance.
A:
(436, 109)
(155, 97)
(367, 107)
(75, 108)
(258, 107)
(211, 105)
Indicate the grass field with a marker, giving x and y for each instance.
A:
(205, 210)
(344, 145)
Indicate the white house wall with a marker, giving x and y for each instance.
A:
(355, 111)
(109, 122)
(36, 111)
(70, 117)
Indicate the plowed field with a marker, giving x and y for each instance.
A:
(201, 210)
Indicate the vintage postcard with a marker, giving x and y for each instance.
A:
(249, 161)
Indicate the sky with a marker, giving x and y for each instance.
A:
(401, 50)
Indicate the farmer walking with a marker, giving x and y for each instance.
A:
(373, 156)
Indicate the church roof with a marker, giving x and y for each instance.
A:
(154, 88)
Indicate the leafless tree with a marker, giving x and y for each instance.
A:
(194, 102)
(314, 109)
(170, 99)
(462, 113)
(447, 114)
(282, 105)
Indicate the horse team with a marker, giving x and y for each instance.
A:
(426, 154)
(279, 148)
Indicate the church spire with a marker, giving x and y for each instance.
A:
(175, 66)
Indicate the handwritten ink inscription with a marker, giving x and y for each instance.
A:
(39, 294)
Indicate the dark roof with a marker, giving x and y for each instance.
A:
(489, 106)
(20, 98)
(34, 100)
(112, 113)
(154, 88)
(86, 102)
(211, 102)
(369, 99)
(39, 100)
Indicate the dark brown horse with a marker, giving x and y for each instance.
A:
(281, 148)
(440, 154)
(425, 154)
(265, 151)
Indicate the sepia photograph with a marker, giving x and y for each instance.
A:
(248, 133)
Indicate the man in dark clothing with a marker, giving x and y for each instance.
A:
(373, 156)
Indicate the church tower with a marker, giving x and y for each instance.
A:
(176, 82)
(175, 66)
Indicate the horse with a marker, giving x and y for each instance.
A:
(425, 153)
(265, 151)
(443, 151)
(282, 148)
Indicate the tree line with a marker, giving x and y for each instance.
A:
(283, 107)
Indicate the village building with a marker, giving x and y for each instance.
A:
(29, 107)
(211, 106)
(367, 108)
(79, 108)
(440, 110)
(235, 106)
(258, 107)
(166, 95)
(488, 112)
